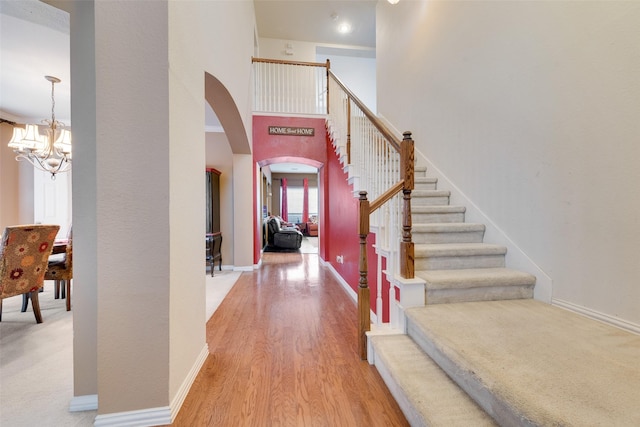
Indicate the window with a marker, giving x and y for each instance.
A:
(295, 196)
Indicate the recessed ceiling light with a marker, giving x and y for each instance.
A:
(344, 28)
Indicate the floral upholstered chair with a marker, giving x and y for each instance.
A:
(61, 271)
(24, 253)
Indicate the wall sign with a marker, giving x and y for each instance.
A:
(291, 131)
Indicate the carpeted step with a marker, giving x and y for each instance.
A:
(453, 256)
(426, 395)
(476, 284)
(448, 233)
(528, 363)
(429, 197)
(425, 183)
(437, 214)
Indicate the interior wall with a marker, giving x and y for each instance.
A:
(144, 87)
(342, 231)
(219, 156)
(278, 48)
(133, 212)
(530, 109)
(197, 50)
(358, 73)
(9, 180)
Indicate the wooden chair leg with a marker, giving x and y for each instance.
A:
(0, 310)
(35, 303)
(25, 302)
(68, 286)
(56, 289)
(63, 292)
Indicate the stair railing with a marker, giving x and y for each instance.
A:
(386, 168)
(381, 166)
(290, 87)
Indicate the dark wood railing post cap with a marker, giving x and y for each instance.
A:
(406, 135)
(363, 195)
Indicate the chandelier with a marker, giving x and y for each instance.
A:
(50, 152)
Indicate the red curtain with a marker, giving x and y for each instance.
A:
(305, 201)
(285, 207)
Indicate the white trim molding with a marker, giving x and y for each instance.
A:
(163, 415)
(178, 399)
(141, 418)
(87, 402)
(347, 288)
(596, 315)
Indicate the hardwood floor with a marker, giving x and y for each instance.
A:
(283, 352)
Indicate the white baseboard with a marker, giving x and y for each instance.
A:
(596, 315)
(353, 294)
(244, 268)
(343, 283)
(163, 415)
(141, 418)
(88, 402)
(178, 399)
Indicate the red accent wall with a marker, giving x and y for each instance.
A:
(301, 149)
(342, 235)
(338, 208)
(307, 150)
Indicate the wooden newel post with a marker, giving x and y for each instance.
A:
(407, 269)
(364, 318)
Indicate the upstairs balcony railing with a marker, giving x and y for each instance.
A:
(381, 166)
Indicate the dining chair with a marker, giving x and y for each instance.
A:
(24, 254)
(61, 272)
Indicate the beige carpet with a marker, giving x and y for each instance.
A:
(549, 365)
(36, 372)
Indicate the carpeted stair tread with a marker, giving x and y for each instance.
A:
(427, 396)
(424, 180)
(438, 209)
(475, 277)
(458, 249)
(530, 363)
(430, 193)
(448, 227)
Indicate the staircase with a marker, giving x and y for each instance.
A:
(450, 255)
(474, 348)
(482, 352)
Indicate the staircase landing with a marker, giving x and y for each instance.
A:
(529, 363)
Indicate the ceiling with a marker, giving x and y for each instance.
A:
(318, 21)
(34, 42)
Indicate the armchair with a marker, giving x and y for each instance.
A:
(285, 238)
(24, 253)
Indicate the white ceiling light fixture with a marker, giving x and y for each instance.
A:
(393, 1)
(50, 152)
(344, 28)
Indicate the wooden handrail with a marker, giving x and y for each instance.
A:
(285, 62)
(388, 135)
(386, 196)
